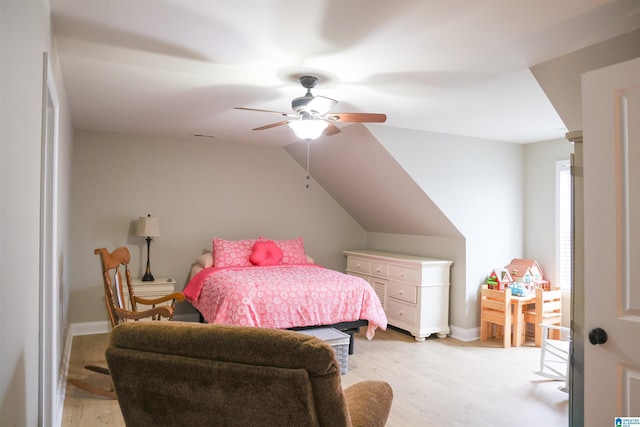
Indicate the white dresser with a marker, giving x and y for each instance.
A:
(414, 291)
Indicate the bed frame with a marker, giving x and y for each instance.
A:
(346, 327)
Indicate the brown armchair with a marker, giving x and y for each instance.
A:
(175, 374)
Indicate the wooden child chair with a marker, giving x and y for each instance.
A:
(495, 309)
(547, 310)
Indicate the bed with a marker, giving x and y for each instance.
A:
(273, 284)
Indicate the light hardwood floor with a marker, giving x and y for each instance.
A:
(440, 382)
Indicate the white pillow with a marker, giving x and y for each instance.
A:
(205, 260)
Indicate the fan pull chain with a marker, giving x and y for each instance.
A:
(308, 173)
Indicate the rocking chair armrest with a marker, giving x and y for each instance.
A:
(162, 311)
(555, 327)
(177, 296)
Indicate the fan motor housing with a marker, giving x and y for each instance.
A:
(299, 105)
(308, 82)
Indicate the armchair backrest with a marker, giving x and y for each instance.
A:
(175, 373)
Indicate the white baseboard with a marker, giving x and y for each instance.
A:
(465, 335)
(104, 327)
(63, 375)
(90, 328)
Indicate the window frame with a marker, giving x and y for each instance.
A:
(564, 226)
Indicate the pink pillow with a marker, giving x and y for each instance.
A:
(265, 253)
(232, 253)
(292, 251)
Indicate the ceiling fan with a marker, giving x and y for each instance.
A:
(311, 117)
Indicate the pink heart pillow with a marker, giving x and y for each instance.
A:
(265, 253)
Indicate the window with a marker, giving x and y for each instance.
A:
(563, 223)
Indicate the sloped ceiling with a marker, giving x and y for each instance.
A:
(370, 185)
(560, 78)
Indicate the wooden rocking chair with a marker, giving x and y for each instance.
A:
(161, 308)
(555, 355)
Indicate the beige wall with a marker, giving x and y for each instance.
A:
(501, 196)
(24, 37)
(202, 188)
(540, 201)
(199, 188)
(478, 185)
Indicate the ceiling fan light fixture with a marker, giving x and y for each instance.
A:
(308, 128)
(311, 118)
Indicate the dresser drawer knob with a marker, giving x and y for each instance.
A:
(400, 292)
(401, 274)
(401, 313)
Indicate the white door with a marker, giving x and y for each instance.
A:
(611, 129)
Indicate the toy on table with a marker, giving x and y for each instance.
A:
(499, 279)
(519, 289)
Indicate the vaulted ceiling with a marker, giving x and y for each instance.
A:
(176, 67)
(369, 184)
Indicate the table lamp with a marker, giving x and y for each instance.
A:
(148, 226)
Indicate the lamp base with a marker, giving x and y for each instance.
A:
(148, 277)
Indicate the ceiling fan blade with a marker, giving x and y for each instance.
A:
(357, 117)
(273, 125)
(321, 104)
(331, 130)
(263, 111)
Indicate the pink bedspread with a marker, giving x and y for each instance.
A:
(284, 296)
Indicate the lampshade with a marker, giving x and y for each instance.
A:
(308, 128)
(148, 226)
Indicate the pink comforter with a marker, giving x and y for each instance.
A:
(284, 296)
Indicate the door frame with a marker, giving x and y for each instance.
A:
(50, 388)
(576, 357)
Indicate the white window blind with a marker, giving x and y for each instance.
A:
(563, 223)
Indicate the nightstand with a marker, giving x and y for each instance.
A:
(155, 289)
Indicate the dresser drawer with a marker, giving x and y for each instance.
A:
(436, 273)
(403, 291)
(379, 269)
(401, 311)
(402, 272)
(358, 265)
